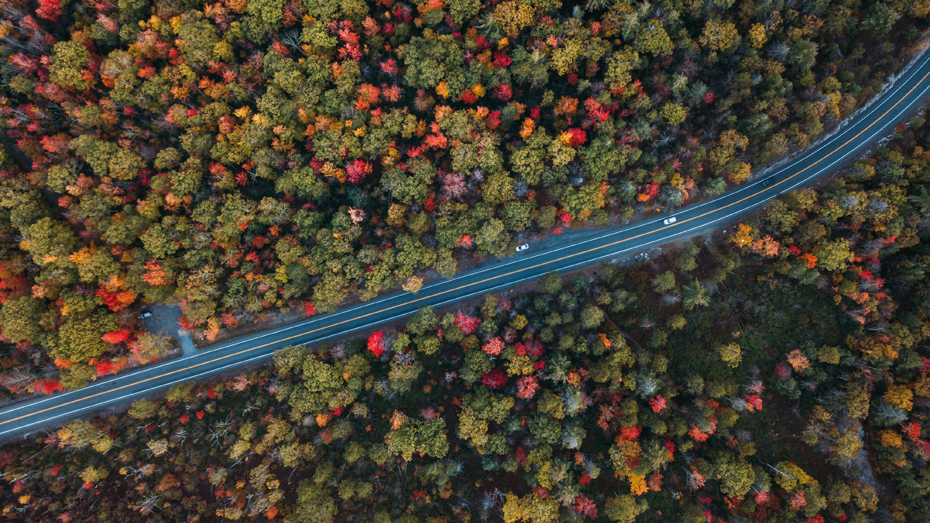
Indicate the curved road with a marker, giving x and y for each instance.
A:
(869, 126)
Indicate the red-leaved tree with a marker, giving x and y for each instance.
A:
(658, 404)
(376, 343)
(356, 171)
(47, 386)
(467, 323)
(309, 308)
(49, 10)
(527, 387)
(494, 379)
(494, 346)
(585, 507)
(117, 336)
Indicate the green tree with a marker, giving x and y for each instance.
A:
(565, 58)
(158, 241)
(603, 159)
(518, 215)
(425, 320)
(432, 60)
(718, 35)
(922, 200)
(735, 475)
(857, 399)
(833, 256)
(809, 233)
(463, 10)
(197, 38)
(551, 404)
(694, 294)
(76, 376)
(551, 283)
(489, 406)
(80, 433)
(79, 339)
(332, 290)
(620, 67)
(731, 354)
(50, 242)
(791, 476)
(685, 262)
(492, 238)
(725, 148)
(59, 177)
(125, 165)
(180, 392)
(847, 448)
(498, 189)
(677, 322)
(879, 19)
(403, 375)
(425, 437)
(67, 62)
(781, 216)
(803, 55)
(319, 386)
(96, 152)
(473, 429)
(20, 317)
(673, 114)
(289, 360)
(530, 68)
(715, 186)
(133, 8)
(142, 409)
(654, 40)
(530, 508)
(625, 508)
(268, 11)
(591, 317)
(314, 505)
(664, 282)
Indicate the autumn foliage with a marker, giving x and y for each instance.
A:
(118, 336)
(376, 343)
(251, 158)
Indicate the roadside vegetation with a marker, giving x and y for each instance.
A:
(242, 157)
(782, 375)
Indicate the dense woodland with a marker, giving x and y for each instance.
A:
(248, 156)
(781, 375)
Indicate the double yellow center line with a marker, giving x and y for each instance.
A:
(412, 301)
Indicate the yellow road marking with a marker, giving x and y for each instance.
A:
(477, 282)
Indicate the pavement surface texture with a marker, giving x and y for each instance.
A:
(563, 253)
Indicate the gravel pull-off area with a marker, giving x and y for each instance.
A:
(164, 320)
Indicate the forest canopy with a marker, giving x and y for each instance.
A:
(243, 157)
(246, 156)
(780, 373)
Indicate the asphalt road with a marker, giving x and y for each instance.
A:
(864, 130)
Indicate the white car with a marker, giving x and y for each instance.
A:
(669, 221)
(523, 247)
(145, 314)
